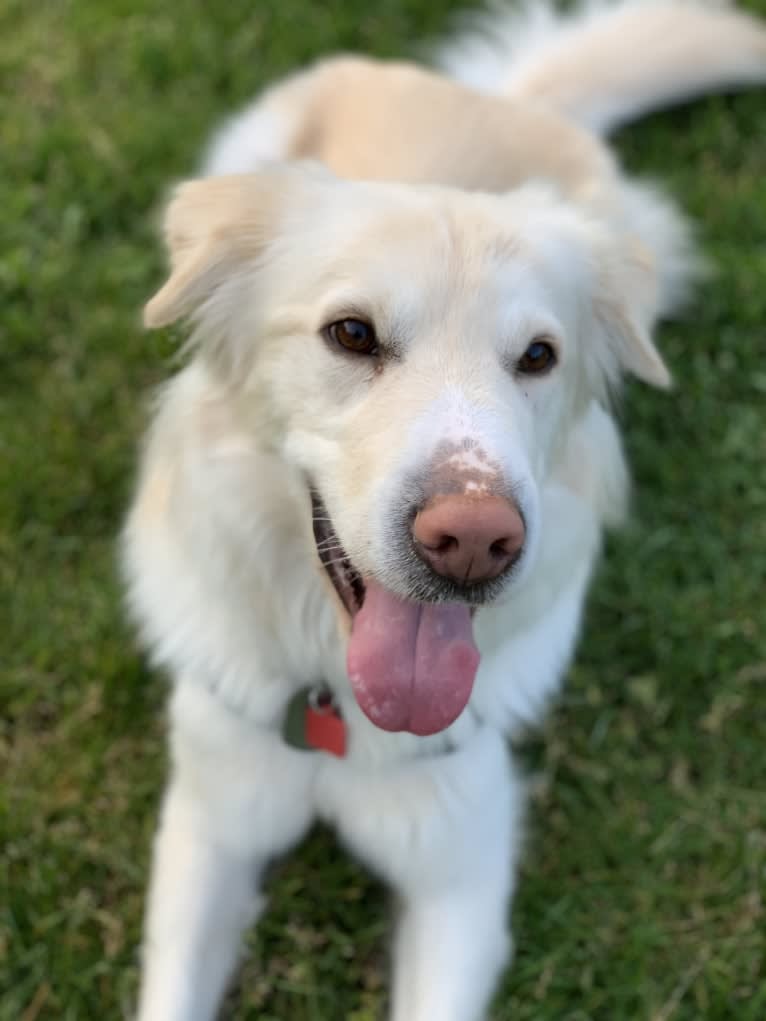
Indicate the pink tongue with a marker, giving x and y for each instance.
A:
(411, 666)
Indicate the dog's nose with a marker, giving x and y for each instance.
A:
(468, 538)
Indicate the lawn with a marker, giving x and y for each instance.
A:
(643, 890)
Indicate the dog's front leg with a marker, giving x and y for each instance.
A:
(203, 894)
(237, 797)
(452, 938)
(444, 831)
(450, 949)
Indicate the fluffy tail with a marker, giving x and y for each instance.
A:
(607, 63)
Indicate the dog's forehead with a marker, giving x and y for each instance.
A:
(425, 253)
(458, 232)
(486, 289)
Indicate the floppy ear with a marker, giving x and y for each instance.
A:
(215, 224)
(616, 276)
(207, 225)
(626, 306)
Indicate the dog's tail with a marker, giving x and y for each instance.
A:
(608, 63)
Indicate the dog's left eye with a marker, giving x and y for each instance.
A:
(538, 358)
(353, 335)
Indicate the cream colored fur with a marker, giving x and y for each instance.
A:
(464, 225)
(605, 64)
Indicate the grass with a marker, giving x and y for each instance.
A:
(643, 892)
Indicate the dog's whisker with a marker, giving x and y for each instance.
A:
(329, 542)
(335, 561)
(329, 550)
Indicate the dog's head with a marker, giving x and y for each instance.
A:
(419, 355)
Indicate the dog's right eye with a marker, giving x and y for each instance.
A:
(353, 335)
(539, 358)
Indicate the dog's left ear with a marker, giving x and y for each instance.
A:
(214, 225)
(625, 306)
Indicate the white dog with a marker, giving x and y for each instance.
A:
(375, 495)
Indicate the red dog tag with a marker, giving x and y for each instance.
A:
(325, 729)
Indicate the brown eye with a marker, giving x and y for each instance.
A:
(538, 358)
(354, 335)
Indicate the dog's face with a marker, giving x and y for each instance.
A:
(419, 355)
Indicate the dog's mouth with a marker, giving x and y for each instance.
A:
(411, 664)
(344, 576)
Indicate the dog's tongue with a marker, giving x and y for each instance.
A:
(411, 666)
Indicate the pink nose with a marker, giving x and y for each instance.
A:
(469, 538)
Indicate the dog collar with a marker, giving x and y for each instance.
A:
(313, 722)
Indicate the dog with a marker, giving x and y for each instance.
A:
(370, 504)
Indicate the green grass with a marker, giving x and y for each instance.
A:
(643, 893)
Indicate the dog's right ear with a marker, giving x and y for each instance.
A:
(208, 225)
(215, 224)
